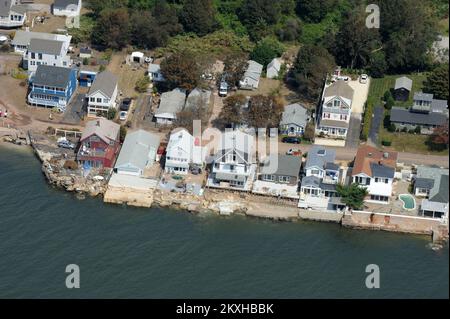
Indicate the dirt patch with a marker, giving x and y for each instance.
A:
(128, 74)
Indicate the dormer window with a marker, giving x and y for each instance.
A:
(336, 103)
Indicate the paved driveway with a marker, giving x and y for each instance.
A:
(377, 119)
(361, 91)
(354, 129)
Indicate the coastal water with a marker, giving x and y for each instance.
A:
(152, 253)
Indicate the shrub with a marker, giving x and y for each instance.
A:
(111, 113)
(387, 95)
(142, 84)
(389, 103)
(417, 129)
(85, 61)
(404, 130)
(391, 128)
(386, 142)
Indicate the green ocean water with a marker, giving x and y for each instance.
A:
(126, 252)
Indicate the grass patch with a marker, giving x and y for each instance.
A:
(443, 26)
(411, 143)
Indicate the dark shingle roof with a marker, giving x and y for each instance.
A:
(403, 82)
(53, 76)
(64, 3)
(311, 181)
(5, 6)
(380, 170)
(401, 115)
(442, 195)
(427, 183)
(319, 156)
(287, 165)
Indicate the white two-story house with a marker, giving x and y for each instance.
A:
(102, 94)
(375, 169)
(183, 151)
(318, 185)
(234, 164)
(12, 15)
(335, 111)
(46, 52)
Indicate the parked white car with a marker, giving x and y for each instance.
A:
(123, 115)
(363, 78)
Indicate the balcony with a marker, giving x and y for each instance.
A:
(48, 91)
(91, 152)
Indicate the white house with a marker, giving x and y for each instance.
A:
(170, 104)
(154, 73)
(252, 75)
(102, 94)
(375, 169)
(234, 164)
(138, 152)
(336, 109)
(22, 40)
(294, 120)
(273, 69)
(67, 8)
(46, 52)
(12, 15)
(183, 151)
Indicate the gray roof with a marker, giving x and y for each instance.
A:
(19, 9)
(434, 206)
(423, 182)
(5, 7)
(403, 82)
(402, 115)
(294, 114)
(286, 165)
(104, 82)
(275, 63)
(333, 123)
(105, 129)
(319, 156)
(24, 37)
(52, 47)
(311, 181)
(138, 147)
(423, 96)
(230, 177)
(328, 187)
(383, 171)
(439, 188)
(440, 193)
(332, 166)
(253, 71)
(171, 102)
(198, 96)
(439, 105)
(52, 76)
(154, 68)
(339, 88)
(65, 3)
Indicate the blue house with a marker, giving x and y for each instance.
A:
(86, 78)
(52, 86)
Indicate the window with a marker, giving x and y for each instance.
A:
(99, 100)
(33, 55)
(40, 56)
(92, 99)
(386, 181)
(337, 103)
(315, 172)
(283, 179)
(376, 179)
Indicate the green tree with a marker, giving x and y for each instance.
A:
(111, 114)
(311, 66)
(377, 64)
(122, 133)
(266, 50)
(235, 66)
(264, 111)
(97, 6)
(390, 102)
(438, 141)
(231, 112)
(314, 10)
(352, 195)
(112, 29)
(437, 82)
(258, 15)
(198, 16)
(309, 132)
(182, 69)
(290, 30)
(142, 84)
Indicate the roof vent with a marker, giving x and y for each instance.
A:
(385, 154)
(370, 154)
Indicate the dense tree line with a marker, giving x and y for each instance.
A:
(400, 45)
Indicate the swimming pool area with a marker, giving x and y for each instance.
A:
(409, 203)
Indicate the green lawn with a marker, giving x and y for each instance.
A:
(411, 143)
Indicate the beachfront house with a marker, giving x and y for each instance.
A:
(99, 144)
(138, 153)
(335, 110)
(67, 8)
(170, 104)
(234, 163)
(183, 152)
(22, 40)
(103, 94)
(375, 169)
(318, 185)
(52, 86)
(431, 183)
(273, 69)
(12, 14)
(426, 113)
(294, 119)
(278, 175)
(46, 52)
(154, 73)
(252, 75)
(402, 88)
